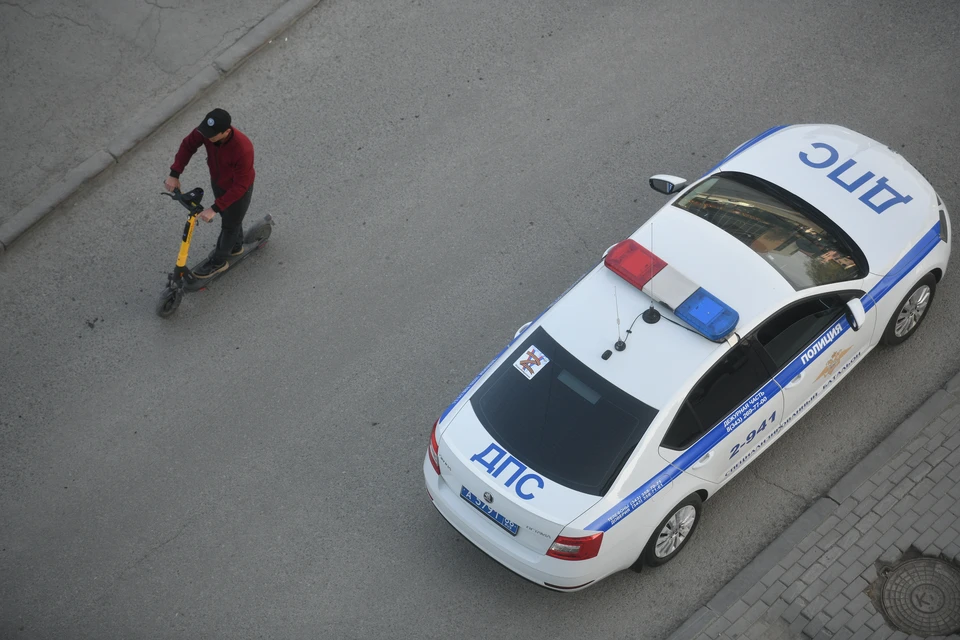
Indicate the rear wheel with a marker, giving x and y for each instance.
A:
(912, 311)
(673, 533)
(169, 301)
(258, 233)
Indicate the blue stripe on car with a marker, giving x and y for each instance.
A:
(653, 486)
(904, 266)
(746, 145)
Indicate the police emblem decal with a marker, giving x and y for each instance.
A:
(531, 362)
(835, 358)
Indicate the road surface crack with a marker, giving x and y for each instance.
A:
(48, 15)
(136, 38)
(152, 551)
(772, 483)
(156, 36)
(164, 543)
(243, 29)
(160, 6)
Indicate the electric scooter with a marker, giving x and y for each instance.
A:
(182, 280)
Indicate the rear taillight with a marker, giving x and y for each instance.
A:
(435, 449)
(583, 548)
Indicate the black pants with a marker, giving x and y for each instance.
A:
(231, 225)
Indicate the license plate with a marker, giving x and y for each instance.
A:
(511, 527)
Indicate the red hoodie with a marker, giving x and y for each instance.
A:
(230, 163)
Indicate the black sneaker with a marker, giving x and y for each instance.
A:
(210, 268)
(237, 250)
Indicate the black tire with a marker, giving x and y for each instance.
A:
(890, 336)
(258, 233)
(168, 302)
(650, 556)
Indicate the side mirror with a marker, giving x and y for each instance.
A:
(855, 313)
(522, 329)
(667, 184)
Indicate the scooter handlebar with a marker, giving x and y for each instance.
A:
(190, 200)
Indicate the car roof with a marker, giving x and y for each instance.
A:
(814, 161)
(663, 359)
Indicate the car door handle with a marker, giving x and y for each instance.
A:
(795, 381)
(702, 461)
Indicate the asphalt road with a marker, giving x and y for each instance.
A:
(439, 173)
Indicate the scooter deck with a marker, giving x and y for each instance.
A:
(198, 284)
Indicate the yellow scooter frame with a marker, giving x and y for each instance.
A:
(185, 243)
(182, 280)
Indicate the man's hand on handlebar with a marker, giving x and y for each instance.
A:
(207, 215)
(171, 183)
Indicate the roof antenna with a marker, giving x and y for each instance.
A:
(651, 315)
(619, 345)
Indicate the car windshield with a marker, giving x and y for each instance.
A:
(558, 417)
(795, 239)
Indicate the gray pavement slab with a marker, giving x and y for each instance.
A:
(832, 597)
(83, 79)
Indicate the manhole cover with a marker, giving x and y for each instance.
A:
(922, 597)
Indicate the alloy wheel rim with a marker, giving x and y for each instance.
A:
(912, 311)
(675, 531)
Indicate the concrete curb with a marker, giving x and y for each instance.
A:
(75, 178)
(163, 111)
(751, 574)
(817, 513)
(278, 21)
(897, 440)
(135, 133)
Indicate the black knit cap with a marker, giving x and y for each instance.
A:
(215, 122)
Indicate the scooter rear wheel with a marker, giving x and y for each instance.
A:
(258, 233)
(169, 301)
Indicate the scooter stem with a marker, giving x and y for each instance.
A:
(185, 242)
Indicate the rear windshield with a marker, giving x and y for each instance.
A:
(798, 241)
(558, 417)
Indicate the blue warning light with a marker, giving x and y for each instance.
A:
(708, 315)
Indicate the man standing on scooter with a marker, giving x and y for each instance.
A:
(230, 159)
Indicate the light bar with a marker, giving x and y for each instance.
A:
(693, 304)
(633, 263)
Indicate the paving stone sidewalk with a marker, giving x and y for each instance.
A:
(816, 580)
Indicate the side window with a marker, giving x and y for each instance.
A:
(789, 332)
(684, 431)
(731, 381)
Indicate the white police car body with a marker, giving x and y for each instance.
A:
(568, 459)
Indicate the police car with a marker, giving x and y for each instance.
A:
(590, 443)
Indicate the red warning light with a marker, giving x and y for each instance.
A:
(634, 263)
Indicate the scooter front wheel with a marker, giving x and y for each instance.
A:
(169, 301)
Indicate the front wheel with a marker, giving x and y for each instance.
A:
(169, 301)
(673, 533)
(911, 312)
